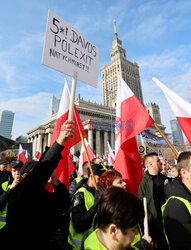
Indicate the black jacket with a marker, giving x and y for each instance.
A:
(81, 218)
(177, 219)
(33, 212)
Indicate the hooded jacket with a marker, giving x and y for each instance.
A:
(177, 219)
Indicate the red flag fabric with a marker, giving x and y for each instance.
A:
(111, 155)
(64, 170)
(131, 119)
(83, 157)
(39, 153)
(180, 107)
(27, 156)
(21, 155)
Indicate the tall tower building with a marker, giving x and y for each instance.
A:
(154, 111)
(119, 65)
(6, 123)
(176, 132)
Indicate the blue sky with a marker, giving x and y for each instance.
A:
(155, 34)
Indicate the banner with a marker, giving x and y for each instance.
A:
(66, 50)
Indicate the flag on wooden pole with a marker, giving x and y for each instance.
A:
(83, 157)
(64, 170)
(180, 107)
(131, 119)
(21, 155)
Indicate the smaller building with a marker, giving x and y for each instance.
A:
(154, 111)
(176, 132)
(6, 123)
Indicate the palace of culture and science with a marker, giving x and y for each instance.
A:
(98, 119)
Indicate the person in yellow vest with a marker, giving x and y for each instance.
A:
(8, 186)
(119, 214)
(83, 209)
(80, 180)
(177, 210)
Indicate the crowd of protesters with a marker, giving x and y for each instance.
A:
(97, 212)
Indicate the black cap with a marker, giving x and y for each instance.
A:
(97, 169)
(3, 162)
(17, 164)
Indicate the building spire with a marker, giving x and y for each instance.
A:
(115, 29)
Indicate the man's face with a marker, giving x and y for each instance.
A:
(2, 168)
(157, 163)
(126, 238)
(16, 172)
(98, 161)
(186, 173)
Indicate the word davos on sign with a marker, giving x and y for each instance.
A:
(66, 50)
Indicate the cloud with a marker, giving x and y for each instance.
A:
(29, 111)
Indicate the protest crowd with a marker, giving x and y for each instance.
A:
(96, 211)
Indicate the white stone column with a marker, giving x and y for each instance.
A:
(34, 146)
(39, 142)
(112, 140)
(49, 138)
(45, 141)
(105, 141)
(90, 138)
(98, 143)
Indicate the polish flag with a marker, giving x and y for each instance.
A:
(83, 157)
(180, 107)
(111, 154)
(131, 119)
(38, 154)
(64, 170)
(27, 156)
(21, 155)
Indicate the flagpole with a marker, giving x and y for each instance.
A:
(86, 152)
(72, 97)
(88, 159)
(167, 141)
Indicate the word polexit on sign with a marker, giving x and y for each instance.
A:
(68, 51)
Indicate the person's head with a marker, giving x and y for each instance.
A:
(16, 168)
(96, 160)
(184, 166)
(118, 216)
(98, 171)
(85, 169)
(174, 171)
(111, 177)
(3, 165)
(105, 162)
(163, 166)
(28, 168)
(153, 163)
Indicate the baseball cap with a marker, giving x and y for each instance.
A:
(17, 164)
(3, 162)
(97, 169)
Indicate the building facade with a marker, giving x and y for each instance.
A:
(154, 111)
(98, 122)
(119, 65)
(6, 123)
(176, 132)
(99, 119)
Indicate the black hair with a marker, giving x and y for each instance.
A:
(119, 207)
(29, 166)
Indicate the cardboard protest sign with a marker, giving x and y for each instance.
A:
(67, 51)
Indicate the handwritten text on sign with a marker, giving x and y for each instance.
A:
(66, 50)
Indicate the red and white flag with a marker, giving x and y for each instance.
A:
(38, 154)
(64, 170)
(131, 119)
(111, 155)
(180, 107)
(83, 157)
(21, 155)
(27, 156)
